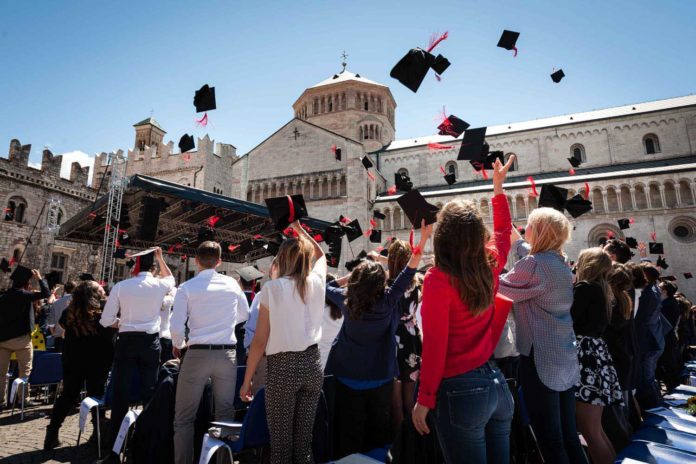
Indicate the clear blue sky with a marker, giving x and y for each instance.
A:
(76, 75)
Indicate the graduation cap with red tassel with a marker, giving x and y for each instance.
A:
(204, 100)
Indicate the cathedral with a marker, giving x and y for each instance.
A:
(638, 161)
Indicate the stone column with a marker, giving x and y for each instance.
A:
(514, 207)
(604, 200)
(311, 188)
(391, 218)
(618, 199)
(526, 206)
(648, 196)
(662, 195)
(678, 194)
(632, 189)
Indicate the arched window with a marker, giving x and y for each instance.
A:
(641, 198)
(361, 133)
(626, 199)
(16, 209)
(330, 105)
(597, 201)
(670, 195)
(366, 132)
(514, 166)
(451, 168)
(652, 144)
(612, 200)
(386, 225)
(397, 218)
(59, 217)
(366, 105)
(685, 194)
(10, 210)
(403, 171)
(315, 106)
(577, 152)
(655, 197)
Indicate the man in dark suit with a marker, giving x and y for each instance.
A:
(17, 323)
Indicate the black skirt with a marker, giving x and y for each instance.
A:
(599, 383)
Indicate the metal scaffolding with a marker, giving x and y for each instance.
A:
(117, 185)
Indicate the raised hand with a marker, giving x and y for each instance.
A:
(500, 171)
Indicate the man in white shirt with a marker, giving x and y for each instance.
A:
(134, 307)
(165, 334)
(210, 304)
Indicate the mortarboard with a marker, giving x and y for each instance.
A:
(440, 64)
(662, 262)
(336, 151)
(249, 274)
(450, 178)
(473, 145)
(285, 210)
(334, 232)
(669, 277)
(491, 157)
(130, 263)
(4, 265)
(557, 76)
(414, 66)
(402, 182)
(186, 143)
(204, 99)
(365, 160)
(144, 260)
(688, 275)
(574, 162)
(86, 276)
(205, 234)
(578, 205)
(352, 264)
(553, 197)
(353, 230)
(656, 248)
(624, 224)
(417, 209)
(631, 242)
(21, 275)
(376, 236)
(377, 215)
(508, 40)
(453, 126)
(52, 279)
(333, 257)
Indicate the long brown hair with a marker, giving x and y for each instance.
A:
(460, 251)
(294, 260)
(620, 282)
(399, 253)
(594, 265)
(365, 288)
(84, 308)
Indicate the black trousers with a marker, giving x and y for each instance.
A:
(362, 419)
(76, 373)
(165, 350)
(134, 352)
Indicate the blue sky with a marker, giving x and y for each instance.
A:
(76, 75)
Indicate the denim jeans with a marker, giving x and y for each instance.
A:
(552, 414)
(473, 415)
(648, 393)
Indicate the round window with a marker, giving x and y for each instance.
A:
(683, 229)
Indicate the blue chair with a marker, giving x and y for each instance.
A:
(378, 454)
(672, 438)
(671, 412)
(671, 423)
(653, 453)
(46, 369)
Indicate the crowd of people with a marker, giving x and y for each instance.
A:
(448, 350)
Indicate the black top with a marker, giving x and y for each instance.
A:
(96, 345)
(589, 311)
(620, 338)
(17, 311)
(670, 309)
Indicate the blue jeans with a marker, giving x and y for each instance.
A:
(473, 415)
(648, 394)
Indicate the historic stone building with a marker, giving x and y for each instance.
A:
(638, 161)
(28, 195)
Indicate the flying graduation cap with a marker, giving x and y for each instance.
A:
(557, 198)
(688, 275)
(508, 40)
(417, 209)
(662, 262)
(365, 160)
(450, 178)
(557, 76)
(656, 248)
(204, 99)
(414, 66)
(376, 236)
(249, 274)
(353, 230)
(377, 215)
(186, 143)
(624, 223)
(285, 210)
(631, 242)
(336, 151)
(21, 275)
(143, 260)
(474, 146)
(575, 162)
(453, 126)
(402, 181)
(489, 161)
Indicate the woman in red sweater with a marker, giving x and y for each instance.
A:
(462, 322)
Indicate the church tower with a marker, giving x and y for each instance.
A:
(351, 105)
(148, 133)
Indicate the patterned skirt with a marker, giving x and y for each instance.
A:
(599, 382)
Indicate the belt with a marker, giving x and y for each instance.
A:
(212, 347)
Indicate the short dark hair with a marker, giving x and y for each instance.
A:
(669, 287)
(208, 254)
(651, 272)
(619, 249)
(69, 286)
(637, 274)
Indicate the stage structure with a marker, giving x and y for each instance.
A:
(154, 212)
(117, 185)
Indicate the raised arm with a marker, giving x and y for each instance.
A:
(318, 252)
(523, 282)
(502, 221)
(164, 270)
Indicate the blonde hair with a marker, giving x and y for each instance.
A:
(550, 230)
(594, 265)
(294, 260)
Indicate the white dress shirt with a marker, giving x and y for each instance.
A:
(136, 303)
(57, 308)
(213, 304)
(166, 314)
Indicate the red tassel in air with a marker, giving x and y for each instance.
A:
(231, 248)
(442, 170)
(631, 221)
(534, 189)
(373, 223)
(434, 42)
(291, 207)
(258, 236)
(439, 146)
(13, 261)
(587, 191)
(203, 121)
(345, 220)
(368, 232)
(610, 235)
(515, 49)
(186, 157)
(391, 190)
(371, 176)
(212, 220)
(653, 236)
(318, 238)
(333, 148)
(571, 171)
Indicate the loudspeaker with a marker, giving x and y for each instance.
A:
(149, 219)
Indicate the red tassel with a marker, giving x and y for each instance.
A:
(212, 220)
(136, 268)
(653, 236)
(520, 229)
(318, 238)
(437, 76)
(291, 207)
(484, 174)
(631, 221)
(368, 232)
(435, 42)
(571, 171)
(253, 289)
(373, 223)
(333, 148)
(371, 176)
(391, 190)
(92, 215)
(170, 249)
(102, 283)
(610, 235)
(13, 261)
(290, 232)
(306, 228)
(438, 146)
(231, 248)
(410, 237)
(203, 121)
(587, 191)
(534, 189)
(442, 170)
(186, 157)
(345, 220)
(515, 55)
(379, 249)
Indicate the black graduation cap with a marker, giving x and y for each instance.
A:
(246, 246)
(52, 279)
(4, 265)
(662, 262)
(414, 66)
(670, 278)
(557, 198)
(204, 99)
(402, 182)
(279, 208)
(417, 209)
(577, 206)
(376, 236)
(631, 242)
(453, 126)
(9, 214)
(508, 40)
(575, 162)
(624, 223)
(205, 234)
(450, 178)
(249, 274)
(474, 145)
(353, 230)
(557, 76)
(337, 152)
(130, 263)
(86, 276)
(333, 257)
(186, 143)
(656, 248)
(490, 159)
(377, 215)
(366, 162)
(333, 232)
(21, 275)
(352, 264)
(120, 253)
(688, 275)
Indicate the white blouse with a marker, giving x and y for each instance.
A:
(295, 324)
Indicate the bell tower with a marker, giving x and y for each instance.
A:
(148, 133)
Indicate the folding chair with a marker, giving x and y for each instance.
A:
(654, 453)
(123, 432)
(672, 438)
(239, 405)
(671, 423)
(46, 369)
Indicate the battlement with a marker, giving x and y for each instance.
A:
(18, 158)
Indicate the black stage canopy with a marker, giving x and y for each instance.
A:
(156, 212)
